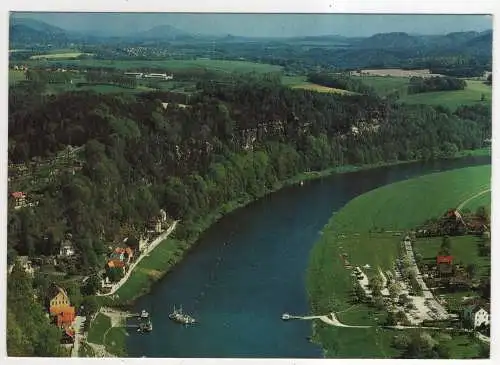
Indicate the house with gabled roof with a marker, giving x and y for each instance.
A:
(59, 306)
(476, 316)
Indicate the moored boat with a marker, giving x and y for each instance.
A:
(178, 316)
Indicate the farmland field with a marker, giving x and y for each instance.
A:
(300, 82)
(55, 56)
(321, 89)
(366, 231)
(172, 65)
(453, 99)
(396, 72)
(384, 85)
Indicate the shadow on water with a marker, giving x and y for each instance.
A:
(250, 267)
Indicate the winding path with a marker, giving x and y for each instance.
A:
(145, 253)
(332, 320)
(472, 198)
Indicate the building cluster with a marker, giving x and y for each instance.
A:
(155, 76)
(61, 312)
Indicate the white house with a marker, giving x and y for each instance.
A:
(67, 249)
(476, 316)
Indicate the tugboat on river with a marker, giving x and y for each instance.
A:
(179, 317)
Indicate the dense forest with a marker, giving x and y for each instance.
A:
(234, 141)
(435, 83)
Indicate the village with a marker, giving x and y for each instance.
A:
(426, 291)
(74, 321)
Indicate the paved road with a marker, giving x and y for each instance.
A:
(145, 253)
(79, 321)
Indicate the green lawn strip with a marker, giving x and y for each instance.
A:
(115, 341)
(150, 269)
(99, 327)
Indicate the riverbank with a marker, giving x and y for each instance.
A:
(108, 333)
(372, 240)
(170, 252)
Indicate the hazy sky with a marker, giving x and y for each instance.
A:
(266, 24)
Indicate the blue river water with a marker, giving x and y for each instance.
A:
(250, 267)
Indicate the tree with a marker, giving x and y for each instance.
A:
(378, 301)
(90, 305)
(445, 245)
(394, 290)
(401, 341)
(114, 274)
(376, 284)
(471, 270)
(91, 286)
(482, 213)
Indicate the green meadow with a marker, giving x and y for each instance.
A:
(368, 231)
(472, 94)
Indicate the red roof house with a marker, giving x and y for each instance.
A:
(444, 260)
(19, 198)
(18, 194)
(65, 315)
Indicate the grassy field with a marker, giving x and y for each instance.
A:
(321, 89)
(172, 65)
(300, 82)
(413, 200)
(59, 56)
(352, 231)
(150, 269)
(384, 85)
(453, 99)
(99, 327)
(16, 76)
(463, 249)
(115, 341)
(481, 201)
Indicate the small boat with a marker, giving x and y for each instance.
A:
(179, 317)
(145, 327)
(301, 183)
(144, 314)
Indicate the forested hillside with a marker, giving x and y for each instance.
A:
(136, 154)
(232, 139)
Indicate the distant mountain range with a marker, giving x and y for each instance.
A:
(25, 31)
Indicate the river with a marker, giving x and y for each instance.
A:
(250, 267)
